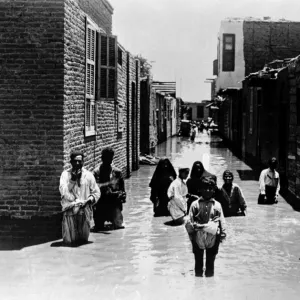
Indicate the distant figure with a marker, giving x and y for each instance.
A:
(206, 227)
(79, 192)
(177, 193)
(269, 184)
(233, 202)
(194, 182)
(193, 133)
(113, 195)
(201, 126)
(162, 177)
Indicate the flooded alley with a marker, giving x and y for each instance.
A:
(152, 260)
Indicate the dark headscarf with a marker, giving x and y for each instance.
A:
(204, 173)
(194, 182)
(161, 171)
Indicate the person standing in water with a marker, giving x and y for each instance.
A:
(233, 198)
(177, 193)
(206, 227)
(269, 184)
(162, 177)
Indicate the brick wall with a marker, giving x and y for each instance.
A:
(107, 111)
(294, 130)
(265, 41)
(100, 11)
(42, 109)
(31, 111)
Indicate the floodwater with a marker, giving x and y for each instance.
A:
(151, 260)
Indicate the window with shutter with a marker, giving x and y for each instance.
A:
(90, 90)
(108, 67)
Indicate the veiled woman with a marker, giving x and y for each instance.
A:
(162, 177)
(194, 182)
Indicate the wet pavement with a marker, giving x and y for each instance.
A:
(151, 260)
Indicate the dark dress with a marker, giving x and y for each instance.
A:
(110, 205)
(194, 182)
(160, 182)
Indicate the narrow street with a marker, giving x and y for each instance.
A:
(152, 260)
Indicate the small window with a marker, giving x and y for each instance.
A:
(228, 52)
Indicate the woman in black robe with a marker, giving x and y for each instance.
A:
(162, 177)
(194, 182)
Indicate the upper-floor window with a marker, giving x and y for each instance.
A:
(228, 52)
(101, 72)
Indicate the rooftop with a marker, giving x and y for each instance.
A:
(263, 19)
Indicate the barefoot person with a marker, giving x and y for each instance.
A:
(79, 192)
(111, 183)
(162, 177)
(177, 193)
(206, 227)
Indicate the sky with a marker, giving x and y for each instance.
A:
(179, 37)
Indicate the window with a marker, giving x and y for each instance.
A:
(200, 112)
(251, 111)
(90, 90)
(228, 52)
(101, 73)
(108, 64)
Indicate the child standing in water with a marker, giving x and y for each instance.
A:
(206, 227)
(177, 194)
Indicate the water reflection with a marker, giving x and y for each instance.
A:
(150, 260)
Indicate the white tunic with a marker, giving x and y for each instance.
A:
(178, 203)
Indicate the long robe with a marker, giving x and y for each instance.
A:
(77, 221)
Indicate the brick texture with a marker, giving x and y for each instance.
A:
(265, 41)
(42, 108)
(31, 108)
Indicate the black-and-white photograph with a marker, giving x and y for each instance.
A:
(150, 149)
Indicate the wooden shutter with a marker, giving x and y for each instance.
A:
(108, 67)
(90, 90)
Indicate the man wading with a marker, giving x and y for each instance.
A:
(79, 192)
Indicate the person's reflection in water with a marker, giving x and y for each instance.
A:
(162, 177)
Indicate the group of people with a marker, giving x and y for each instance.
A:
(198, 203)
(86, 195)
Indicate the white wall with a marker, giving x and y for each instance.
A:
(231, 79)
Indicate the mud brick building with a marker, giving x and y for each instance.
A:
(293, 157)
(244, 47)
(66, 84)
(160, 113)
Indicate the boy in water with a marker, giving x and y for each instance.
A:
(206, 227)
